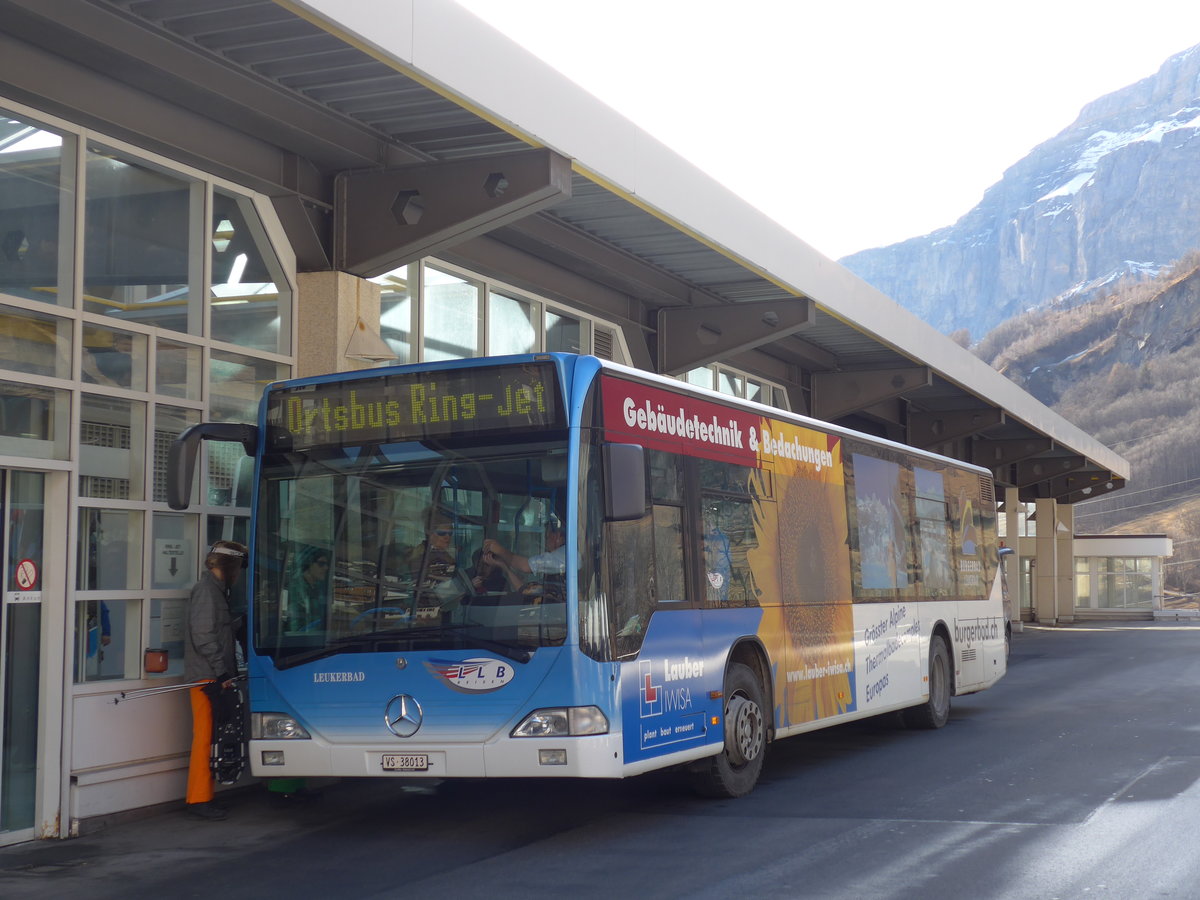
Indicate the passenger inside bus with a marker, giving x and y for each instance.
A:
(307, 592)
(433, 563)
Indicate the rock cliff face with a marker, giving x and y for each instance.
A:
(1115, 194)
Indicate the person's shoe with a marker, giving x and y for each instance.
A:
(206, 811)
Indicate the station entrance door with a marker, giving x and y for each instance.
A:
(22, 511)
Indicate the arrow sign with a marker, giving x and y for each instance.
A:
(173, 562)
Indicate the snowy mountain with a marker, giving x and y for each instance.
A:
(1115, 194)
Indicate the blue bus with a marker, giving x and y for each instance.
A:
(551, 565)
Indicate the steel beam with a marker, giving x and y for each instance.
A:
(994, 454)
(1043, 470)
(1106, 484)
(837, 394)
(386, 219)
(1084, 483)
(560, 242)
(689, 337)
(929, 429)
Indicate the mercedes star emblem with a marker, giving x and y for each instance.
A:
(402, 716)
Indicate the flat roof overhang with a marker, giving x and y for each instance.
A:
(305, 101)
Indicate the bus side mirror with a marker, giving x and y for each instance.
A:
(181, 457)
(624, 481)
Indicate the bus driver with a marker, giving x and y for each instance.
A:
(552, 561)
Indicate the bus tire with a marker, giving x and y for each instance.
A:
(934, 712)
(734, 771)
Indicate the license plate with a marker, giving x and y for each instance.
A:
(412, 762)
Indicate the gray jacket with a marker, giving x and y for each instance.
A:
(208, 648)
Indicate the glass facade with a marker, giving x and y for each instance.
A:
(429, 312)
(735, 383)
(36, 203)
(1114, 582)
(183, 313)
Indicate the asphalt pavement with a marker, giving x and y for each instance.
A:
(1077, 776)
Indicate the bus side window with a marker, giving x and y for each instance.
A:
(666, 491)
(728, 532)
(632, 583)
(937, 572)
(671, 580)
(729, 535)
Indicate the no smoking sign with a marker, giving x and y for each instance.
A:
(27, 574)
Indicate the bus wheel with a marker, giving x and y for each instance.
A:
(934, 712)
(734, 771)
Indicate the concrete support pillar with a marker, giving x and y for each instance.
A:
(1045, 579)
(1064, 536)
(1012, 565)
(1156, 583)
(329, 306)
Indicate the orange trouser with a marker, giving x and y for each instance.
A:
(200, 777)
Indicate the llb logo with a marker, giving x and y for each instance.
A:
(474, 676)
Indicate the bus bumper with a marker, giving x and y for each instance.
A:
(567, 757)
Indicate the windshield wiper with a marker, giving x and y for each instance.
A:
(337, 645)
(514, 652)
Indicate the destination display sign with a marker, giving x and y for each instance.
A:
(414, 406)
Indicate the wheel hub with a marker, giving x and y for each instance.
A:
(743, 730)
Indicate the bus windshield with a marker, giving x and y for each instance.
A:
(381, 548)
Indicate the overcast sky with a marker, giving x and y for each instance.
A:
(854, 124)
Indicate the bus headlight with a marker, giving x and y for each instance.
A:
(272, 726)
(562, 721)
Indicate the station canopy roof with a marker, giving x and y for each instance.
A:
(307, 102)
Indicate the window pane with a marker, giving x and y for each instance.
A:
(110, 550)
(135, 246)
(166, 632)
(249, 292)
(395, 313)
(236, 385)
(728, 383)
(1083, 582)
(112, 442)
(510, 326)
(702, 377)
(755, 391)
(177, 370)
(175, 562)
(933, 533)
(451, 316)
(34, 421)
(35, 343)
(107, 640)
(31, 189)
(882, 539)
(228, 528)
(564, 334)
(668, 554)
(729, 536)
(114, 358)
(666, 480)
